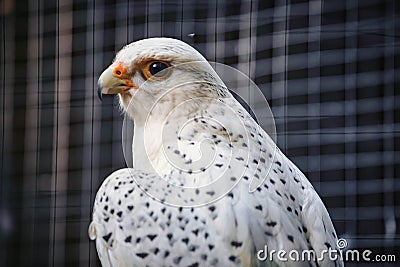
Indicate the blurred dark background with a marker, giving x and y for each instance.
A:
(329, 70)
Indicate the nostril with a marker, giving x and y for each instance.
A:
(119, 71)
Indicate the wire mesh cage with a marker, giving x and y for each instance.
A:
(329, 70)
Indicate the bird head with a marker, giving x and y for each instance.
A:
(165, 71)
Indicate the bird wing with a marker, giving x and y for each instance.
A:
(285, 210)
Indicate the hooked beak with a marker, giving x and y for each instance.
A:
(108, 84)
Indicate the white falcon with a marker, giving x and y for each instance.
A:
(208, 185)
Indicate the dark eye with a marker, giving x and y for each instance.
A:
(157, 68)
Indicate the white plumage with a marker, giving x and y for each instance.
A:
(209, 187)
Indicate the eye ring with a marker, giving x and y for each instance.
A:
(156, 70)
